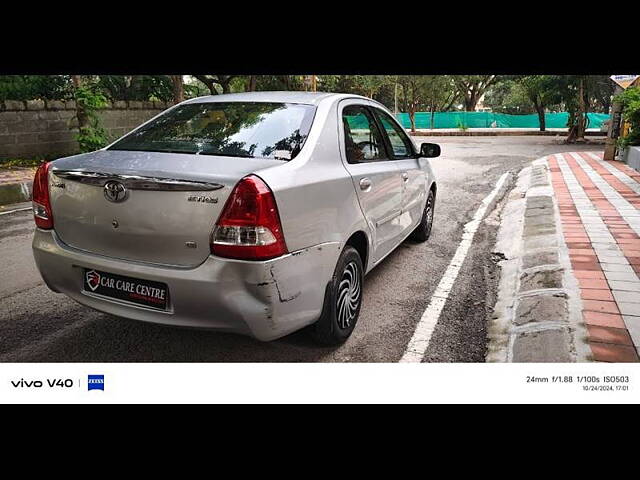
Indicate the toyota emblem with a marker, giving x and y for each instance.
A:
(114, 191)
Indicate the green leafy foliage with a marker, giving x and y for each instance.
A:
(508, 97)
(136, 87)
(92, 135)
(34, 87)
(630, 100)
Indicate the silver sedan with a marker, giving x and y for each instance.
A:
(256, 213)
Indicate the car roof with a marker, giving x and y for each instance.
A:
(309, 98)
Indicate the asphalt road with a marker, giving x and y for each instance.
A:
(37, 325)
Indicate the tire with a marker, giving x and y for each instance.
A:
(342, 300)
(423, 230)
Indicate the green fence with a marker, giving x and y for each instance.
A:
(494, 120)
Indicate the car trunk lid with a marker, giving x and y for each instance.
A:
(146, 207)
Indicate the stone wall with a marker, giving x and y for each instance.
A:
(38, 128)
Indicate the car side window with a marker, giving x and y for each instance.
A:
(363, 140)
(400, 143)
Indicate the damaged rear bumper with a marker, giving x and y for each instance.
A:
(266, 300)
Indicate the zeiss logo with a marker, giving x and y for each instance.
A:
(96, 382)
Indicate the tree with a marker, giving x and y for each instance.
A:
(541, 91)
(224, 81)
(178, 88)
(89, 98)
(30, 87)
(439, 94)
(251, 83)
(602, 90)
(136, 87)
(574, 94)
(508, 96)
(472, 87)
(81, 111)
(279, 82)
(413, 94)
(368, 85)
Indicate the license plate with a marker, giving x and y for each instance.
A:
(134, 290)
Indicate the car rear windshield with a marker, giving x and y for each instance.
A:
(235, 129)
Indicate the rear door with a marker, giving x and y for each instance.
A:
(413, 176)
(375, 176)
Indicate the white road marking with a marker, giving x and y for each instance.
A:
(16, 210)
(422, 336)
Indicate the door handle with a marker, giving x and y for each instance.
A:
(365, 183)
(405, 176)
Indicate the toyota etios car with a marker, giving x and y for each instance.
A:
(256, 213)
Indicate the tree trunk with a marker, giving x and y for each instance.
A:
(209, 83)
(581, 113)
(577, 118)
(81, 114)
(412, 117)
(541, 118)
(470, 102)
(178, 88)
(433, 116)
(251, 83)
(225, 83)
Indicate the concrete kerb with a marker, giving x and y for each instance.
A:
(537, 317)
(503, 132)
(15, 192)
(511, 227)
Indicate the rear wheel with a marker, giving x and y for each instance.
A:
(343, 299)
(423, 230)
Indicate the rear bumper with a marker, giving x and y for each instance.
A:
(266, 300)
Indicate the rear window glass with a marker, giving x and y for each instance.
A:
(236, 129)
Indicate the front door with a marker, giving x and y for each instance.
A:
(376, 178)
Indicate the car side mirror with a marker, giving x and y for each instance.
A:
(429, 150)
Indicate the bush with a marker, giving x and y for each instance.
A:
(92, 136)
(630, 100)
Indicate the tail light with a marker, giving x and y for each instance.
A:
(249, 226)
(41, 201)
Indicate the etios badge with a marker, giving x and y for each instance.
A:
(114, 191)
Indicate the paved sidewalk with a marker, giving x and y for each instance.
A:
(569, 285)
(599, 205)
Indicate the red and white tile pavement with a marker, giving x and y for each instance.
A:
(599, 205)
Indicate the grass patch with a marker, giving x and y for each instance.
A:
(21, 162)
